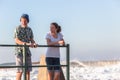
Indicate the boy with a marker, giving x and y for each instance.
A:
(23, 35)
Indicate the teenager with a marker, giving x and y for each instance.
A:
(54, 37)
(23, 36)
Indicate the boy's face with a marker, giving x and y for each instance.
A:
(23, 21)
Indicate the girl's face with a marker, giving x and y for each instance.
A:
(53, 28)
(24, 21)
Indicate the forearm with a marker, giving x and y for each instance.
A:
(32, 41)
(21, 42)
(52, 43)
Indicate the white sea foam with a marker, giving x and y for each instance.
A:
(78, 71)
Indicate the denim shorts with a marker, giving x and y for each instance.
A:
(53, 61)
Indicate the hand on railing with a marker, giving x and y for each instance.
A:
(35, 45)
(61, 42)
(32, 45)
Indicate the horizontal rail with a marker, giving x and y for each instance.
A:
(6, 45)
(24, 58)
(32, 66)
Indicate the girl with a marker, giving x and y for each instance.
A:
(54, 37)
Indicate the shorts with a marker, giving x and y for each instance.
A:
(53, 61)
(19, 62)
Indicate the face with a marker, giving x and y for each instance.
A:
(23, 21)
(53, 28)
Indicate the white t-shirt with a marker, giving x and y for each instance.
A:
(53, 51)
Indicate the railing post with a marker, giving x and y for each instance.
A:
(68, 62)
(24, 62)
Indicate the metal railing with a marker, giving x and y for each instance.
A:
(25, 66)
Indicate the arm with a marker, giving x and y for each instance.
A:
(32, 40)
(20, 42)
(61, 42)
(33, 43)
(51, 43)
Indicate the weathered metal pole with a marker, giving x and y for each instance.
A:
(68, 62)
(24, 62)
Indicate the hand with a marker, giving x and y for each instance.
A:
(33, 45)
(61, 42)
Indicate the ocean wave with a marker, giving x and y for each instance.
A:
(101, 70)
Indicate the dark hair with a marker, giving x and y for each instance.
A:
(57, 27)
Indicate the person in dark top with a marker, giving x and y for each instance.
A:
(23, 35)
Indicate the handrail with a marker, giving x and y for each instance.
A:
(24, 58)
(32, 66)
(6, 45)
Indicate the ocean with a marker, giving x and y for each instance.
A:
(79, 70)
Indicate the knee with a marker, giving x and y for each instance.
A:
(57, 76)
(19, 73)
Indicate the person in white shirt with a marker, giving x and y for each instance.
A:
(54, 37)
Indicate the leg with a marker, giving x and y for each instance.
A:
(29, 63)
(28, 75)
(18, 75)
(56, 75)
(49, 61)
(50, 75)
(19, 70)
(57, 69)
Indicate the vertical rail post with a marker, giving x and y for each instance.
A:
(24, 62)
(68, 62)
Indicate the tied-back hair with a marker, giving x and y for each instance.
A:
(58, 27)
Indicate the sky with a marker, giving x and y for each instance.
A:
(91, 27)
